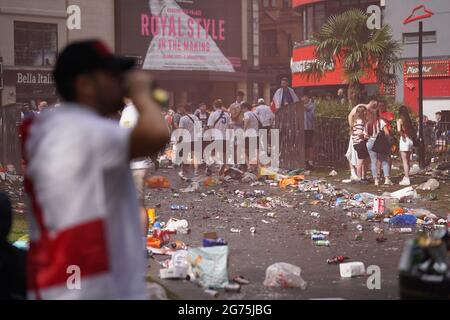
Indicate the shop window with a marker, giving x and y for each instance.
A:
(350, 4)
(269, 43)
(319, 16)
(309, 21)
(286, 4)
(413, 37)
(35, 44)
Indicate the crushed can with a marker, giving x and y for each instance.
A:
(316, 237)
(379, 205)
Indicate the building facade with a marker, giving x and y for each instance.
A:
(33, 32)
(279, 30)
(436, 53)
(436, 50)
(312, 15)
(198, 50)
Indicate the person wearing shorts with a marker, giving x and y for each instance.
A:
(358, 138)
(407, 132)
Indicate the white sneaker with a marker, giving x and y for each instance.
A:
(387, 182)
(377, 182)
(354, 177)
(405, 182)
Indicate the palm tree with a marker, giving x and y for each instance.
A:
(347, 39)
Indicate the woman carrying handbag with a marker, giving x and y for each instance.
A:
(378, 145)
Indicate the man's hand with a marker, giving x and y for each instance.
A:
(151, 133)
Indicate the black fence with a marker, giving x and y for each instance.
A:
(331, 141)
(289, 121)
(437, 142)
(10, 118)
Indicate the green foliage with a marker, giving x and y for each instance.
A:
(331, 108)
(347, 39)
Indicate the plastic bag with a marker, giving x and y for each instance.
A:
(403, 219)
(284, 275)
(430, 185)
(209, 266)
(181, 226)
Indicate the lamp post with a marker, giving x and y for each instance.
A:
(411, 18)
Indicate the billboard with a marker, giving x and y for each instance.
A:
(201, 35)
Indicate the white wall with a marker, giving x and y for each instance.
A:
(431, 106)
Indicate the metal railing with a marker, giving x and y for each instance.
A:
(331, 141)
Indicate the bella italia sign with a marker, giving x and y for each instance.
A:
(28, 77)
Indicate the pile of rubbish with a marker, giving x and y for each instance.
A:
(207, 266)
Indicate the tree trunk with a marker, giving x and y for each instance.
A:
(353, 93)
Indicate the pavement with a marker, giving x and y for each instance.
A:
(282, 238)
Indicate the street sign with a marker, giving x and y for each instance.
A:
(414, 17)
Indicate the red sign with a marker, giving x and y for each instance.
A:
(297, 3)
(426, 14)
(304, 56)
(439, 68)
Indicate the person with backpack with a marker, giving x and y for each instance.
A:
(193, 125)
(220, 121)
(378, 144)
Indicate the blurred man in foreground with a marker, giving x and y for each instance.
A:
(85, 233)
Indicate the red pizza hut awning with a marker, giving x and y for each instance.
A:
(303, 56)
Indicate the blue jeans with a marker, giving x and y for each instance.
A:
(377, 156)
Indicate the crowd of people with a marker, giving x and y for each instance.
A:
(373, 141)
(87, 200)
(251, 118)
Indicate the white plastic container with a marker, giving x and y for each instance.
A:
(352, 269)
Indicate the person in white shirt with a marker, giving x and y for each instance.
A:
(264, 114)
(285, 95)
(251, 129)
(267, 118)
(193, 125)
(221, 121)
(84, 213)
(140, 168)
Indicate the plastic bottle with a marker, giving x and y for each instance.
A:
(178, 207)
(151, 216)
(322, 243)
(214, 242)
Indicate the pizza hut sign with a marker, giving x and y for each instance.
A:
(439, 68)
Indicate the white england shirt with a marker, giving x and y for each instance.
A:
(84, 215)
